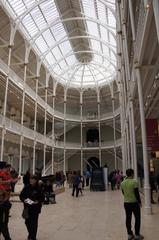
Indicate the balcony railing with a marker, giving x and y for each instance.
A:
(16, 128)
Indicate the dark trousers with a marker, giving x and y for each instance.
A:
(4, 217)
(32, 225)
(87, 181)
(75, 188)
(135, 209)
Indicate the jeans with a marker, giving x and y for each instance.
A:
(135, 209)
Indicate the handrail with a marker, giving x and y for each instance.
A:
(30, 134)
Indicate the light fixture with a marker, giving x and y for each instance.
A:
(147, 6)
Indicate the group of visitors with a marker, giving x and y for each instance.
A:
(60, 179)
(115, 178)
(33, 196)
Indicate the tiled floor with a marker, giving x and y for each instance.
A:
(94, 216)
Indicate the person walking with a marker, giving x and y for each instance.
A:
(76, 182)
(32, 197)
(132, 204)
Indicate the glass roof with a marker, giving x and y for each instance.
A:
(76, 56)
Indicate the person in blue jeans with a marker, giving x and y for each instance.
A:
(132, 204)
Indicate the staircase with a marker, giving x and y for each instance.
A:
(97, 180)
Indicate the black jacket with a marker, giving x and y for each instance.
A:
(34, 193)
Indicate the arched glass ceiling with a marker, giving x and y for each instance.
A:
(75, 39)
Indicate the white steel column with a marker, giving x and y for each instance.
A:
(5, 101)
(81, 118)
(148, 208)
(35, 117)
(114, 132)
(52, 160)
(27, 51)
(156, 14)
(130, 138)
(45, 117)
(53, 134)
(65, 99)
(99, 128)
(12, 35)
(128, 145)
(133, 137)
(22, 121)
(44, 160)
(122, 130)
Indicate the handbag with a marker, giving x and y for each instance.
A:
(25, 213)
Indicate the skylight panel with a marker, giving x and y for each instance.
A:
(58, 31)
(112, 40)
(29, 3)
(88, 78)
(89, 9)
(48, 38)
(49, 10)
(57, 69)
(65, 47)
(104, 33)
(62, 64)
(96, 45)
(71, 59)
(101, 11)
(57, 53)
(62, 59)
(38, 18)
(98, 58)
(41, 44)
(92, 27)
(50, 59)
(29, 25)
(106, 50)
(18, 6)
(112, 20)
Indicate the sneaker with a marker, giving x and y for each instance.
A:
(130, 237)
(139, 237)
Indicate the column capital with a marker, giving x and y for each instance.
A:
(137, 66)
(119, 32)
(10, 46)
(131, 99)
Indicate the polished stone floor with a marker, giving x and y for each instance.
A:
(94, 216)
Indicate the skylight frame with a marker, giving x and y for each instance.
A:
(40, 8)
